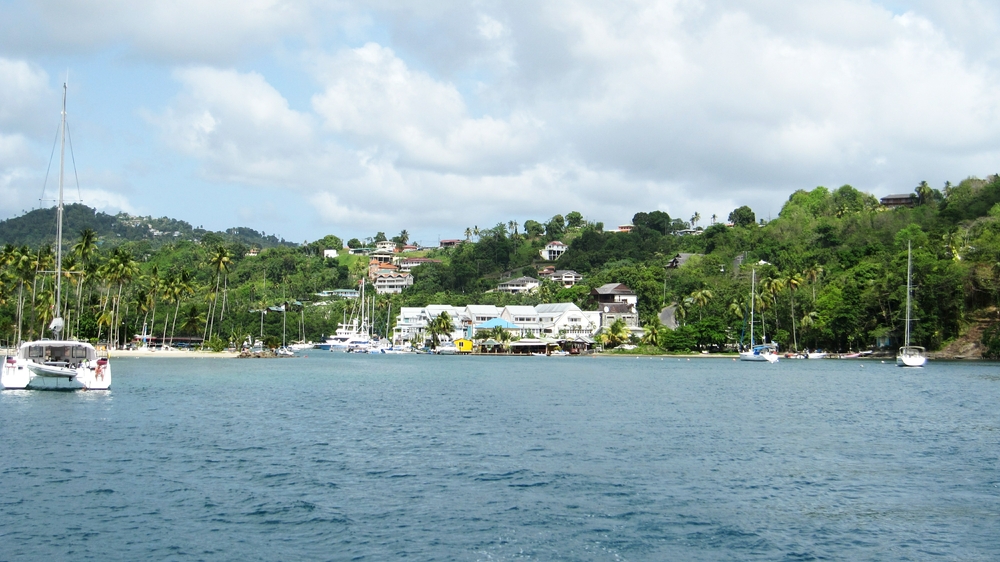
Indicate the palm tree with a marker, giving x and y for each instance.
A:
(192, 320)
(86, 247)
(181, 285)
(218, 260)
(616, 334)
(439, 326)
(793, 282)
(813, 274)
(653, 333)
(714, 218)
(695, 218)
(121, 269)
(468, 234)
(701, 298)
(772, 287)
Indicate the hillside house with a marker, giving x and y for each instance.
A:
(553, 250)
(519, 285)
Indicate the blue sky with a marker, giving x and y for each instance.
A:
(306, 118)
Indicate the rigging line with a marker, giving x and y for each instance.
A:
(49, 167)
(72, 157)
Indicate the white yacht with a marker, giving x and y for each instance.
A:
(57, 364)
(763, 352)
(909, 355)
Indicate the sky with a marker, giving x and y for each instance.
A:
(315, 117)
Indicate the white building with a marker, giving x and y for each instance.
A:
(329, 253)
(553, 250)
(549, 320)
(565, 277)
(392, 283)
(386, 245)
(519, 285)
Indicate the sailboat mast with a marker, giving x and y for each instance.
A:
(909, 273)
(59, 211)
(753, 282)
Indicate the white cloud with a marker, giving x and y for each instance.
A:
(239, 125)
(440, 114)
(375, 98)
(191, 30)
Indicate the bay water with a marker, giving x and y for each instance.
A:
(356, 457)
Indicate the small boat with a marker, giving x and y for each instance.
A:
(447, 349)
(909, 355)
(816, 355)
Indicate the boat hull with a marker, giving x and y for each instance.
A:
(911, 357)
(758, 357)
(22, 376)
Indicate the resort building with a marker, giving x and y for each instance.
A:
(560, 320)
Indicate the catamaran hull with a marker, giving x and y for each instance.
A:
(20, 376)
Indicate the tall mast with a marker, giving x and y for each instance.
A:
(753, 282)
(56, 325)
(909, 273)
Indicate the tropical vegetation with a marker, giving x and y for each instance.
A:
(830, 274)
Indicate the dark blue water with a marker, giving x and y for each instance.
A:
(345, 457)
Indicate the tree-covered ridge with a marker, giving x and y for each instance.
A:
(830, 274)
(38, 227)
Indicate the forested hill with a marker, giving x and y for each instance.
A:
(38, 227)
(829, 273)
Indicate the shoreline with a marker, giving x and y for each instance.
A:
(175, 353)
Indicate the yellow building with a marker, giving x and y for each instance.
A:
(464, 345)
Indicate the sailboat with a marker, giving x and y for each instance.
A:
(909, 355)
(765, 351)
(57, 364)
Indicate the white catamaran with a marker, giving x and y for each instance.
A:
(909, 355)
(55, 364)
(765, 351)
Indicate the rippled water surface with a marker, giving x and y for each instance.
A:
(346, 457)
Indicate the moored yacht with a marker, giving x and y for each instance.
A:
(762, 352)
(57, 364)
(909, 355)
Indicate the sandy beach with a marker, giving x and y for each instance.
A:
(171, 353)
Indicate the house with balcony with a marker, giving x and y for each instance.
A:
(407, 264)
(386, 245)
(519, 285)
(616, 301)
(553, 250)
(899, 200)
(565, 277)
(390, 283)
